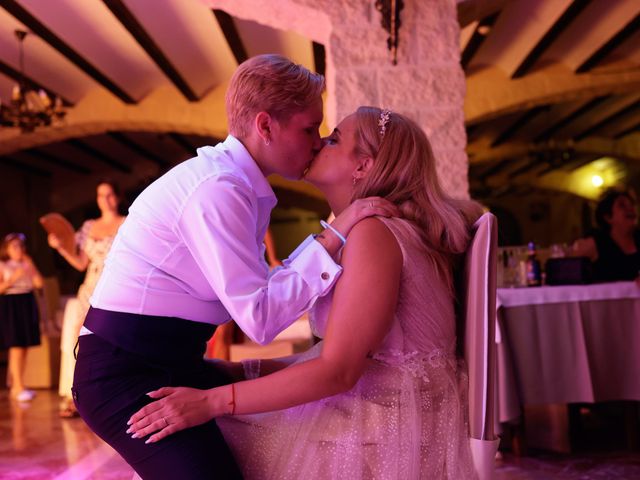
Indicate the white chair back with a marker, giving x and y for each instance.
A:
(478, 295)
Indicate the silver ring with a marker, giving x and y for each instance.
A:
(166, 424)
(371, 204)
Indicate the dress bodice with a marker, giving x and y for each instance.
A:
(424, 324)
(96, 250)
(24, 284)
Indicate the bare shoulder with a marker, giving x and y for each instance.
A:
(371, 238)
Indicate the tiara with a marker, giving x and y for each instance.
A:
(383, 120)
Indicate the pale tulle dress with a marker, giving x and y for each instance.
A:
(404, 419)
(96, 250)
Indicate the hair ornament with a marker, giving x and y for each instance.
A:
(15, 236)
(383, 120)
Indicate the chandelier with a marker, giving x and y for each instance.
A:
(29, 108)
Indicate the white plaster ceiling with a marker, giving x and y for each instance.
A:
(550, 75)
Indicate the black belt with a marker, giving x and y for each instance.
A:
(169, 341)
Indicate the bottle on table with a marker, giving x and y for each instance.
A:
(533, 270)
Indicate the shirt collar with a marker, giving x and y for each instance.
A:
(245, 162)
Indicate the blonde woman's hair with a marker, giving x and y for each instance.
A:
(404, 173)
(269, 83)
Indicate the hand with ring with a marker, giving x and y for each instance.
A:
(177, 408)
(363, 208)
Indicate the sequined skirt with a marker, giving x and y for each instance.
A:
(400, 421)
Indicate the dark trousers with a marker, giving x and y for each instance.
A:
(110, 385)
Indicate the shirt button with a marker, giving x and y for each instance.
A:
(324, 276)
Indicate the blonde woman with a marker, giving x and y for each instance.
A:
(383, 395)
(93, 242)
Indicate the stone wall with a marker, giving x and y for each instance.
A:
(427, 84)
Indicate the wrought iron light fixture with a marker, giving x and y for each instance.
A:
(29, 108)
(390, 11)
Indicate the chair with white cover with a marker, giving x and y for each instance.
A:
(478, 301)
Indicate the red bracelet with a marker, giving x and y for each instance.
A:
(233, 399)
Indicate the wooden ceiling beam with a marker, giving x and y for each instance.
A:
(518, 124)
(30, 83)
(477, 39)
(138, 32)
(471, 10)
(25, 168)
(138, 149)
(59, 162)
(97, 154)
(183, 143)
(627, 148)
(553, 129)
(624, 133)
(497, 167)
(232, 35)
(527, 167)
(614, 42)
(611, 118)
(569, 15)
(492, 94)
(37, 27)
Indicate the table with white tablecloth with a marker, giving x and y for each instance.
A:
(567, 344)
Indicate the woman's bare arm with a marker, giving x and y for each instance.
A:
(585, 247)
(77, 259)
(362, 312)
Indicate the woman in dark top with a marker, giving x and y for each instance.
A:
(614, 248)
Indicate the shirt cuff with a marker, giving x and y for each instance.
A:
(315, 266)
(299, 249)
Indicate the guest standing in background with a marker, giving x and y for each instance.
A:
(19, 317)
(614, 248)
(93, 242)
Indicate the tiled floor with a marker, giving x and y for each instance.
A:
(35, 444)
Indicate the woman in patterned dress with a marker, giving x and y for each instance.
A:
(93, 242)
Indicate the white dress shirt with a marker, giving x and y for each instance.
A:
(192, 247)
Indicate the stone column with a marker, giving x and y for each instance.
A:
(427, 84)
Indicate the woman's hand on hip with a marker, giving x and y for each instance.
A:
(177, 408)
